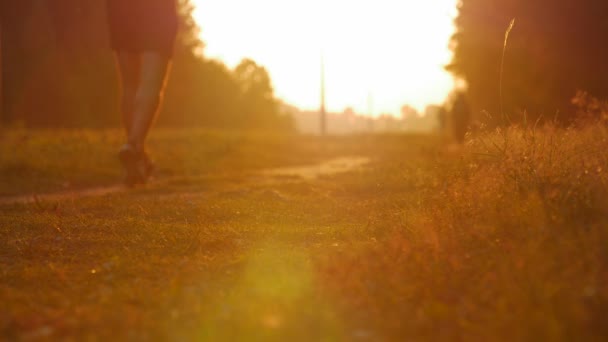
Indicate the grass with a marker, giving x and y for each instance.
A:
(50, 161)
(502, 67)
(486, 243)
(499, 247)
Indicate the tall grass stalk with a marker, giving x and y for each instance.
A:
(502, 65)
(505, 119)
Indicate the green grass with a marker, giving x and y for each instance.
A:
(485, 243)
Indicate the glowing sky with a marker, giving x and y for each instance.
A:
(394, 50)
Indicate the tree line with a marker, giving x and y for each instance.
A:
(556, 49)
(58, 71)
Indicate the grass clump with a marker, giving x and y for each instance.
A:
(506, 242)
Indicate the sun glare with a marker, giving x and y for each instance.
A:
(390, 51)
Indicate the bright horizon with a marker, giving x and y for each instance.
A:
(391, 51)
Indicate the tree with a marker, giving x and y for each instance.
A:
(58, 70)
(258, 106)
(14, 17)
(556, 48)
(408, 112)
(55, 63)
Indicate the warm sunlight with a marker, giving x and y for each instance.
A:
(204, 208)
(391, 52)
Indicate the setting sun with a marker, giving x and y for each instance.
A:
(388, 51)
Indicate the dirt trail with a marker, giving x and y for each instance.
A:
(304, 172)
(328, 168)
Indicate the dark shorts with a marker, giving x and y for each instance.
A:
(143, 25)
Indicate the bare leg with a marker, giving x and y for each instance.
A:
(154, 68)
(130, 67)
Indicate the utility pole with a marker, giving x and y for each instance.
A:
(370, 109)
(322, 110)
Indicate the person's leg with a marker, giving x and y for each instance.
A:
(153, 72)
(129, 64)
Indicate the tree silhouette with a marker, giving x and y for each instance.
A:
(556, 48)
(13, 24)
(58, 70)
(258, 105)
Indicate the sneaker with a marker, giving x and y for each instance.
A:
(134, 164)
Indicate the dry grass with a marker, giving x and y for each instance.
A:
(494, 242)
(508, 243)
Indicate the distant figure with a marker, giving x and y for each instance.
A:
(442, 118)
(142, 33)
(461, 116)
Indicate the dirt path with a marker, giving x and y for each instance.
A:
(304, 172)
(328, 168)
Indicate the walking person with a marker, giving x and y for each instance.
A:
(142, 34)
(461, 117)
